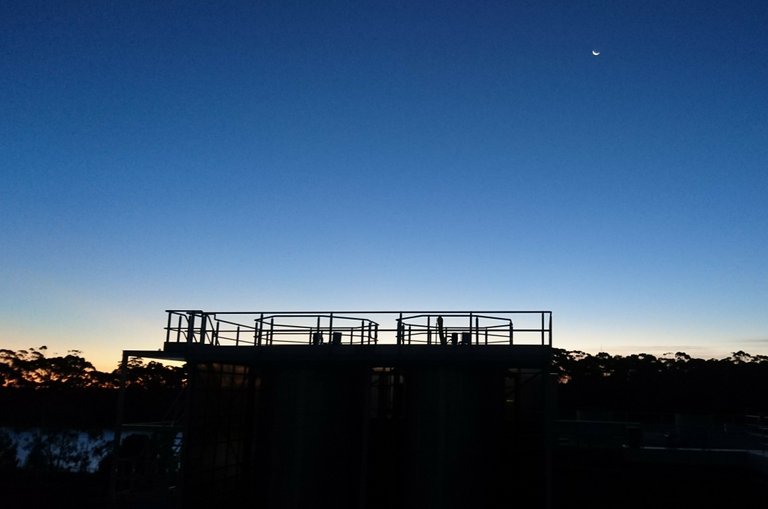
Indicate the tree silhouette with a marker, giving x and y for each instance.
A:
(31, 368)
(153, 375)
(671, 383)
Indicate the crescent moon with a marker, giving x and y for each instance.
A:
(595, 52)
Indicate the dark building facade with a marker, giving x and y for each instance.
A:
(363, 409)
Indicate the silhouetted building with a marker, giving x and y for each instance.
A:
(363, 409)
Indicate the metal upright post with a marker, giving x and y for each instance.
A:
(203, 323)
(118, 429)
(192, 372)
(364, 441)
(190, 327)
(550, 329)
(548, 411)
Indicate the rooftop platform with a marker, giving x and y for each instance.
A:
(392, 338)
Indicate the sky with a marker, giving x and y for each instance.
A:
(248, 156)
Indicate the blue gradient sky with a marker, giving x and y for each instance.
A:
(385, 155)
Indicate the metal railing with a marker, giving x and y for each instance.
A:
(454, 328)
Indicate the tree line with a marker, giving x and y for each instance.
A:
(36, 389)
(32, 369)
(674, 383)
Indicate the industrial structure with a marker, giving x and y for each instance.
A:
(363, 409)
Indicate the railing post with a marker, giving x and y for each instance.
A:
(542, 329)
(429, 330)
(190, 327)
(550, 329)
(203, 323)
(168, 329)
